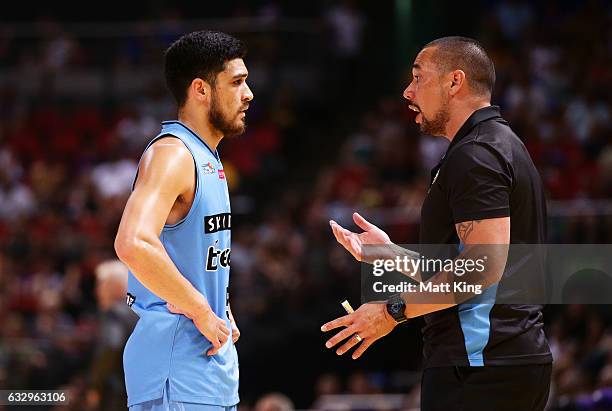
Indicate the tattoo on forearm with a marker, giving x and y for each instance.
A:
(465, 229)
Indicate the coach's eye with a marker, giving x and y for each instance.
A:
(237, 82)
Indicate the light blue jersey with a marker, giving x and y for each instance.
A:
(166, 347)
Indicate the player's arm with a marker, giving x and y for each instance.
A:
(490, 235)
(166, 171)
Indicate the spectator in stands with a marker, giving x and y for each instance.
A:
(116, 324)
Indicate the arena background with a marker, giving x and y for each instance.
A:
(81, 92)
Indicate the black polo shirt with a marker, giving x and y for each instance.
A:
(485, 173)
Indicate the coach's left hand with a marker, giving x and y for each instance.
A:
(370, 322)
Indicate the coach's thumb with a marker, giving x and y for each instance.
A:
(362, 222)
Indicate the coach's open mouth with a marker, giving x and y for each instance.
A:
(419, 117)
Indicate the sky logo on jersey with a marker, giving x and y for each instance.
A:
(221, 174)
(217, 222)
(216, 257)
(129, 299)
(208, 168)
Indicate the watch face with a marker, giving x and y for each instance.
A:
(396, 307)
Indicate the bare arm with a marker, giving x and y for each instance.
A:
(494, 231)
(166, 172)
(371, 321)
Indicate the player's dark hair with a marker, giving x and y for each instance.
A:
(201, 54)
(464, 53)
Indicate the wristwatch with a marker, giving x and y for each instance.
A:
(396, 307)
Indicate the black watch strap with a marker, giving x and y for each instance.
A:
(396, 307)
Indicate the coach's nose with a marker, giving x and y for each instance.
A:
(409, 92)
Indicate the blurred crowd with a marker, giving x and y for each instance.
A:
(76, 112)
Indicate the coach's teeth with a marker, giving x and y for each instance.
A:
(414, 108)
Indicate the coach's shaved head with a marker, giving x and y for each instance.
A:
(463, 53)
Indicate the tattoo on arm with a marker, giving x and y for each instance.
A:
(465, 229)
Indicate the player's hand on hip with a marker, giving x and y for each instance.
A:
(235, 330)
(212, 327)
(354, 242)
(366, 325)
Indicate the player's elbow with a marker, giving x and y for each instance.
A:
(124, 247)
(135, 246)
(128, 248)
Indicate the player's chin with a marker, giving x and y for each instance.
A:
(238, 129)
(241, 126)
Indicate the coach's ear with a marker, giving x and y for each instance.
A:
(456, 81)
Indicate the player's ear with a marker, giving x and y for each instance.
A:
(457, 81)
(200, 90)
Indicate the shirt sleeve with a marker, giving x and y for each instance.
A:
(478, 183)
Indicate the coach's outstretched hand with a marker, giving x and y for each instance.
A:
(364, 326)
(207, 322)
(353, 242)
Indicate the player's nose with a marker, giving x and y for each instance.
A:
(248, 95)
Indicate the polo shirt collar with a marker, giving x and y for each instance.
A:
(477, 117)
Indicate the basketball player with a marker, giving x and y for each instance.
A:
(175, 237)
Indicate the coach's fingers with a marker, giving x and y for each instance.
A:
(362, 348)
(337, 227)
(338, 233)
(362, 223)
(338, 230)
(354, 340)
(354, 247)
(347, 240)
(342, 335)
(345, 233)
(334, 224)
(343, 321)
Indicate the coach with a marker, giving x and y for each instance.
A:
(485, 190)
